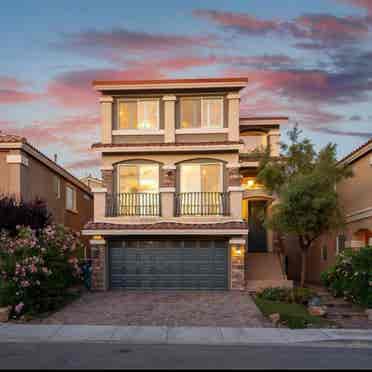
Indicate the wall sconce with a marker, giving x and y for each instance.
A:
(237, 250)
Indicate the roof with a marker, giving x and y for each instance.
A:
(237, 82)
(259, 118)
(21, 142)
(165, 144)
(358, 152)
(230, 225)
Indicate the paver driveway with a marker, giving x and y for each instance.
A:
(225, 309)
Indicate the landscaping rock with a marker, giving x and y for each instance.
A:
(317, 310)
(4, 314)
(275, 318)
(369, 314)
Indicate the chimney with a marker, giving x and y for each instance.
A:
(55, 158)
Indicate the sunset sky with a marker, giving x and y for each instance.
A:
(310, 60)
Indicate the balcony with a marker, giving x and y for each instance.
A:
(133, 204)
(201, 204)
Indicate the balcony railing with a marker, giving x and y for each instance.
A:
(133, 204)
(201, 204)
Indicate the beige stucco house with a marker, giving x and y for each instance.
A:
(180, 207)
(26, 174)
(355, 195)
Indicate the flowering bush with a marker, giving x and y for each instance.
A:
(37, 270)
(351, 276)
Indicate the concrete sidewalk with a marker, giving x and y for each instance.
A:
(175, 335)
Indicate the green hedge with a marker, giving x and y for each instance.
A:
(351, 276)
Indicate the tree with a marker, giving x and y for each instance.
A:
(304, 181)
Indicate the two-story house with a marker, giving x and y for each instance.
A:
(179, 195)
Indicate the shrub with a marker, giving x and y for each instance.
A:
(297, 295)
(15, 213)
(36, 271)
(351, 276)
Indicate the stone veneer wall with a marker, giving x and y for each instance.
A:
(168, 178)
(234, 177)
(108, 180)
(98, 256)
(237, 270)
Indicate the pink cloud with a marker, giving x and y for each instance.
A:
(12, 91)
(83, 164)
(364, 4)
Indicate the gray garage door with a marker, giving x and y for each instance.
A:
(169, 264)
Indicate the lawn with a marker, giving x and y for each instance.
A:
(291, 314)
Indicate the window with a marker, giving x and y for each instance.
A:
(340, 243)
(139, 114)
(71, 198)
(136, 178)
(201, 113)
(201, 178)
(57, 186)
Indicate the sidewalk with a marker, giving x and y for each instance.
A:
(175, 335)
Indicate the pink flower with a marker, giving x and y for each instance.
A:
(25, 283)
(18, 308)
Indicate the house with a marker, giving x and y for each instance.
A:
(91, 182)
(355, 196)
(28, 174)
(180, 207)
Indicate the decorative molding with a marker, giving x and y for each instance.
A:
(169, 98)
(136, 132)
(211, 232)
(359, 215)
(97, 241)
(17, 159)
(99, 190)
(237, 241)
(106, 99)
(235, 189)
(201, 130)
(169, 167)
(232, 165)
(167, 189)
(107, 167)
(233, 96)
(251, 164)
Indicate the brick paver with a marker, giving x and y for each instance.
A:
(220, 309)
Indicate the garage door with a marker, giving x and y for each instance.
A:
(169, 264)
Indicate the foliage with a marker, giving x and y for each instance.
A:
(291, 314)
(304, 181)
(37, 270)
(15, 213)
(297, 295)
(351, 276)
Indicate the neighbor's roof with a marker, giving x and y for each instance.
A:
(238, 82)
(21, 143)
(357, 153)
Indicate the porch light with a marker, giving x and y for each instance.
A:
(97, 237)
(237, 250)
(250, 184)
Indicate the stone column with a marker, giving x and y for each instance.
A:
(108, 178)
(99, 206)
(233, 116)
(169, 119)
(274, 142)
(167, 190)
(98, 249)
(237, 259)
(106, 118)
(235, 191)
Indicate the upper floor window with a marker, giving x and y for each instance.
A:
(71, 203)
(139, 114)
(201, 113)
(138, 178)
(201, 177)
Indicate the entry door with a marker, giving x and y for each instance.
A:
(257, 237)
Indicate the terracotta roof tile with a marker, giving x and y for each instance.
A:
(355, 151)
(11, 138)
(168, 226)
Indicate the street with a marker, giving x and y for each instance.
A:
(114, 355)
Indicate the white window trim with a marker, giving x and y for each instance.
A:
(136, 164)
(74, 209)
(200, 164)
(203, 129)
(119, 131)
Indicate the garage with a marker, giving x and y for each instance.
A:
(162, 264)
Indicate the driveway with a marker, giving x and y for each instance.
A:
(221, 309)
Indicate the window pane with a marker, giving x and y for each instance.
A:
(70, 198)
(138, 178)
(190, 178)
(190, 113)
(211, 178)
(212, 113)
(148, 112)
(128, 115)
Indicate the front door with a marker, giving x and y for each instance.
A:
(257, 237)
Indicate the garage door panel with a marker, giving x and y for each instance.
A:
(169, 264)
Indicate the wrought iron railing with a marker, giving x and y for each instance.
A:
(201, 203)
(133, 204)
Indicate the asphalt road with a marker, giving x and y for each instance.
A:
(95, 355)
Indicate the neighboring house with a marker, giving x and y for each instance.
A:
(92, 182)
(179, 173)
(355, 195)
(27, 174)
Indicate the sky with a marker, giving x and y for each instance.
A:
(309, 60)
